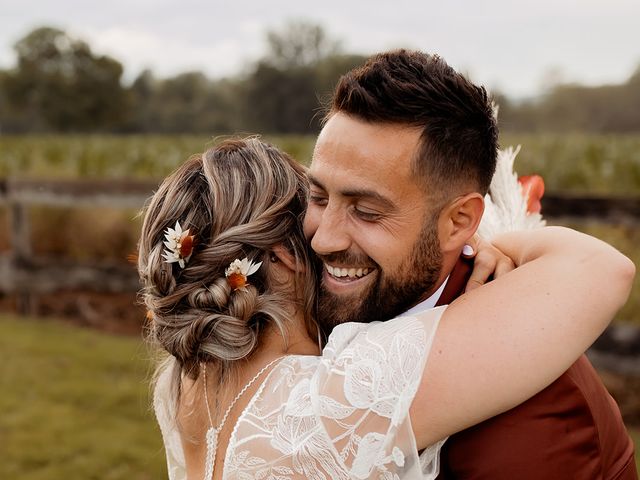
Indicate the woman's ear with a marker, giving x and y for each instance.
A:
(459, 221)
(281, 254)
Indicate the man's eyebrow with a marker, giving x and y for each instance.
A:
(369, 194)
(314, 181)
(357, 193)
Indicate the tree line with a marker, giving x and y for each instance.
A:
(60, 85)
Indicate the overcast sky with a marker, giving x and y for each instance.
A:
(515, 46)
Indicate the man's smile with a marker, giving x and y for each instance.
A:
(347, 272)
(341, 279)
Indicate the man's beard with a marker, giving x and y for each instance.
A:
(389, 295)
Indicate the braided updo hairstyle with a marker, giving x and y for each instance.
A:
(239, 199)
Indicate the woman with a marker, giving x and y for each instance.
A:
(246, 393)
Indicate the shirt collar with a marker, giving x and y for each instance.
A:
(429, 302)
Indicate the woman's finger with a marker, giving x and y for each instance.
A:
(484, 266)
(504, 265)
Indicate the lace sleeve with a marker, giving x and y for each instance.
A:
(165, 414)
(365, 386)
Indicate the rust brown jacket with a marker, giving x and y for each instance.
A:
(572, 430)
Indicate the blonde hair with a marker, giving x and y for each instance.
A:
(239, 199)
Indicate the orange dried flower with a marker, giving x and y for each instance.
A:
(238, 271)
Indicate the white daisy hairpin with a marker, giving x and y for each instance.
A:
(238, 271)
(179, 245)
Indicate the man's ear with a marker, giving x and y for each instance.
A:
(285, 257)
(459, 220)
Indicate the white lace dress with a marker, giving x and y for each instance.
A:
(342, 415)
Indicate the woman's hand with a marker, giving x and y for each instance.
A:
(489, 262)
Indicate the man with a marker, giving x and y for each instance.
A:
(398, 176)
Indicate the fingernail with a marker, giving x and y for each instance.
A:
(467, 250)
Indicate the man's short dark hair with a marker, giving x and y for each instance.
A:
(459, 140)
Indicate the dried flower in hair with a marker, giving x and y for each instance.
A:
(179, 245)
(238, 271)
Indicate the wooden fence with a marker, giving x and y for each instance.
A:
(25, 275)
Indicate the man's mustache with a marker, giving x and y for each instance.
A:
(348, 258)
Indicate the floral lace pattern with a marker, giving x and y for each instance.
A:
(339, 416)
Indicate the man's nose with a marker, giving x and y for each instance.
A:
(331, 235)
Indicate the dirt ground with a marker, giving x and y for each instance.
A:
(108, 312)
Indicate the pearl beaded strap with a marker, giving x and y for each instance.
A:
(212, 432)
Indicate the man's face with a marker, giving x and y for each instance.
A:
(370, 222)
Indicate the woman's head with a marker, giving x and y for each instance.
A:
(242, 198)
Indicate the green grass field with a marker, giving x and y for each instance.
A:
(606, 164)
(111, 156)
(592, 164)
(75, 404)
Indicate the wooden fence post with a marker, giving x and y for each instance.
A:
(20, 233)
(20, 238)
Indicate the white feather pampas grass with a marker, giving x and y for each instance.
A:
(506, 204)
